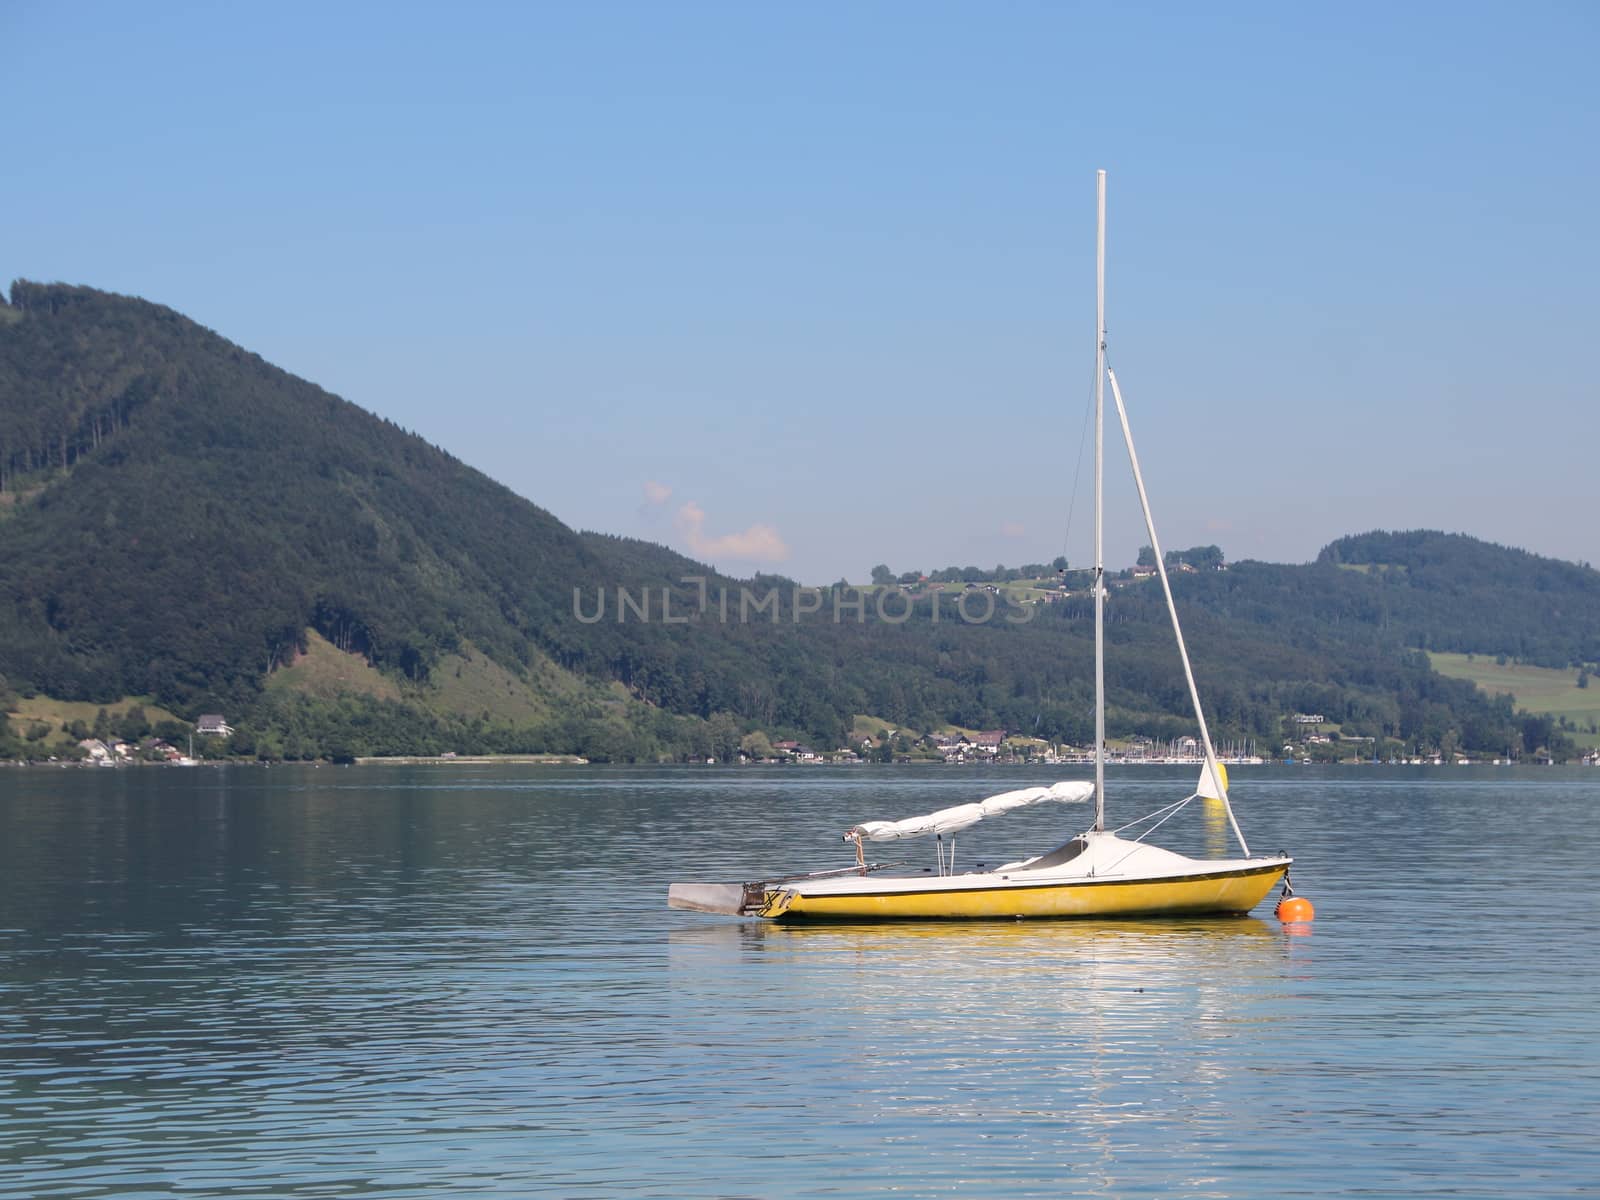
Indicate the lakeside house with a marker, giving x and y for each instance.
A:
(157, 748)
(213, 725)
(988, 742)
(149, 749)
(958, 747)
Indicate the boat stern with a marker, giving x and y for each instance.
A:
(730, 899)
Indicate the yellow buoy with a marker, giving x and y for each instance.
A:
(1295, 908)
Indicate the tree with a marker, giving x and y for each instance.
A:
(1059, 562)
(1201, 558)
(1537, 733)
(134, 724)
(724, 730)
(882, 576)
(1147, 557)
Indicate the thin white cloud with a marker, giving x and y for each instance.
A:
(759, 543)
(656, 493)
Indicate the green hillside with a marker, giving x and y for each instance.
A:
(1456, 593)
(1569, 695)
(182, 521)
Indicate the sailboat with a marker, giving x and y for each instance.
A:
(1097, 873)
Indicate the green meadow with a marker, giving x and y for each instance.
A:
(1543, 690)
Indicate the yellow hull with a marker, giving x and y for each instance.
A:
(1224, 892)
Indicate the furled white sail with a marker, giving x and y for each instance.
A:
(962, 816)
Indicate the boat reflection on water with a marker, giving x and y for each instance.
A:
(1175, 941)
(1022, 968)
(1214, 818)
(1018, 1041)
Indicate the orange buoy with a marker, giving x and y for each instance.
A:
(1295, 908)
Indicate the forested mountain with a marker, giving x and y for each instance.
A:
(1452, 592)
(182, 521)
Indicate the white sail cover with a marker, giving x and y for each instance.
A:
(961, 816)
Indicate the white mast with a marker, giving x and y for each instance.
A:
(1099, 520)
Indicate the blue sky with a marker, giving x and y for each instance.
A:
(810, 287)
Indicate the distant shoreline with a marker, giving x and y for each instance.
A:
(414, 760)
(573, 760)
(547, 760)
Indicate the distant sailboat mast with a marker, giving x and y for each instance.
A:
(1099, 518)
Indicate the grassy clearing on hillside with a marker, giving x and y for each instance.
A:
(864, 724)
(960, 730)
(468, 684)
(1543, 690)
(472, 684)
(56, 713)
(325, 671)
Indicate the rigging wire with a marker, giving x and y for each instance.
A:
(1077, 470)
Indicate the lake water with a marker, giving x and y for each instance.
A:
(463, 981)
